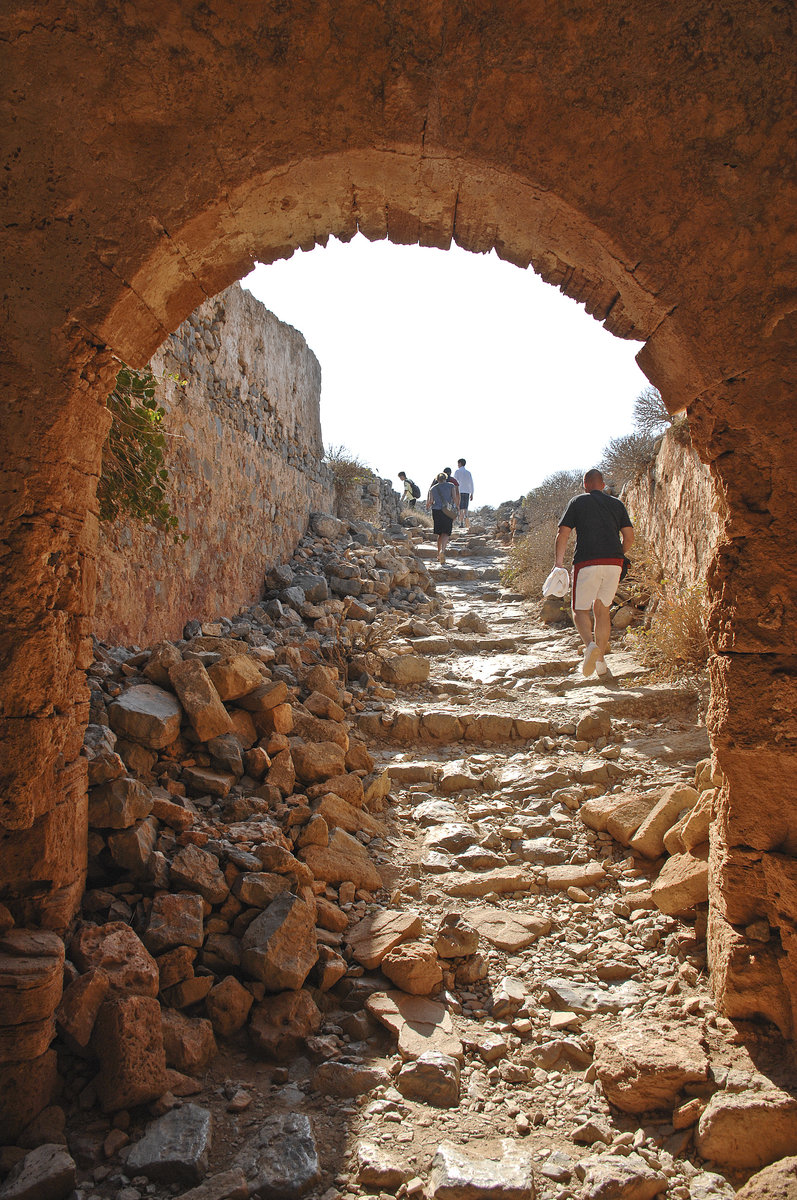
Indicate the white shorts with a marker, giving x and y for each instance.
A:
(597, 582)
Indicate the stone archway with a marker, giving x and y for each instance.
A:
(640, 159)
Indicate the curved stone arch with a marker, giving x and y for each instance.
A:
(397, 194)
(641, 158)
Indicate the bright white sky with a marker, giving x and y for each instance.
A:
(428, 356)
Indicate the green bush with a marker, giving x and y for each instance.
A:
(133, 478)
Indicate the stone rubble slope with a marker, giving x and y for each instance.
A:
(336, 942)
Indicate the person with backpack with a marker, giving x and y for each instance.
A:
(411, 491)
(442, 500)
(604, 534)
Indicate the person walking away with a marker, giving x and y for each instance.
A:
(604, 534)
(442, 500)
(465, 483)
(411, 490)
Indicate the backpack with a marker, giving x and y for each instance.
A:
(416, 491)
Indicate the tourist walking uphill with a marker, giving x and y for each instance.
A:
(465, 484)
(603, 534)
(411, 491)
(443, 501)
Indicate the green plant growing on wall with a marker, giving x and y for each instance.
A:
(133, 478)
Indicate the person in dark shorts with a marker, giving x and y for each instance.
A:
(442, 495)
(411, 490)
(465, 484)
(604, 534)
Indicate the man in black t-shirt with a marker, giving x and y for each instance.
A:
(603, 535)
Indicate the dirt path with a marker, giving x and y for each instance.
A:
(560, 941)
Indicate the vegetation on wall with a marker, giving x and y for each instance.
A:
(133, 479)
(347, 470)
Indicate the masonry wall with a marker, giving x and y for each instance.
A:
(242, 393)
(677, 508)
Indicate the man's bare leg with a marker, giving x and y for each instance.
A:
(582, 619)
(603, 627)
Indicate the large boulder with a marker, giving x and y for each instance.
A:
(776, 1182)
(279, 947)
(683, 882)
(200, 699)
(644, 1066)
(146, 714)
(128, 1042)
(114, 947)
(343, 860)
(741, 1131)
(649, 837)
(316, 761)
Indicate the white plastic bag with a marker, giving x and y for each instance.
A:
(557, 584)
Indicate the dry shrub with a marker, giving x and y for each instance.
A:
(531, 558)
(347, 470)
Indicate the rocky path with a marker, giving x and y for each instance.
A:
(510, 1015)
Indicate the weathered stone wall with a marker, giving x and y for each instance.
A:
(676, 507)
(375, 500)
(242, 394)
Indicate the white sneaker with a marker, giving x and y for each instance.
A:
(590, 659)
(601, 667)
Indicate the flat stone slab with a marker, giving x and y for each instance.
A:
(585, 1000)
(559, 879)
(616, 1176)
(435, 812)
(457, 1176)
(374, 937)
(47, 1173)
(505, 879)
(420, 1025)
(280, 1161)
(175, 1148)
(508, 931)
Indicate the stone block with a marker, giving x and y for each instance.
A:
(413, 967)
(375, 936)
(200, 699)
(455, 1175)
(346, 1080)
(174, 920)
(432, 1078)
(742, 1131)
(188, 1042)
(26, 1088)
(644, 1066)
(682, 883)
(228, 1005)
(317, 761)
(649, 837)
(128, 1042)
(235, 677)
(279, 947)
(343, 860)
(280, 1160)
(80, 1004)
(47, 1173)
(114, 947)
(31, 976)
(405, 669)
(146, 714)
(119, 804)
(205, 781)
(626, 818)
(198, 870)
(175, 1148)
(280, 1024)
(131, 849)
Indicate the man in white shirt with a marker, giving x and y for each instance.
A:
(465, 483)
